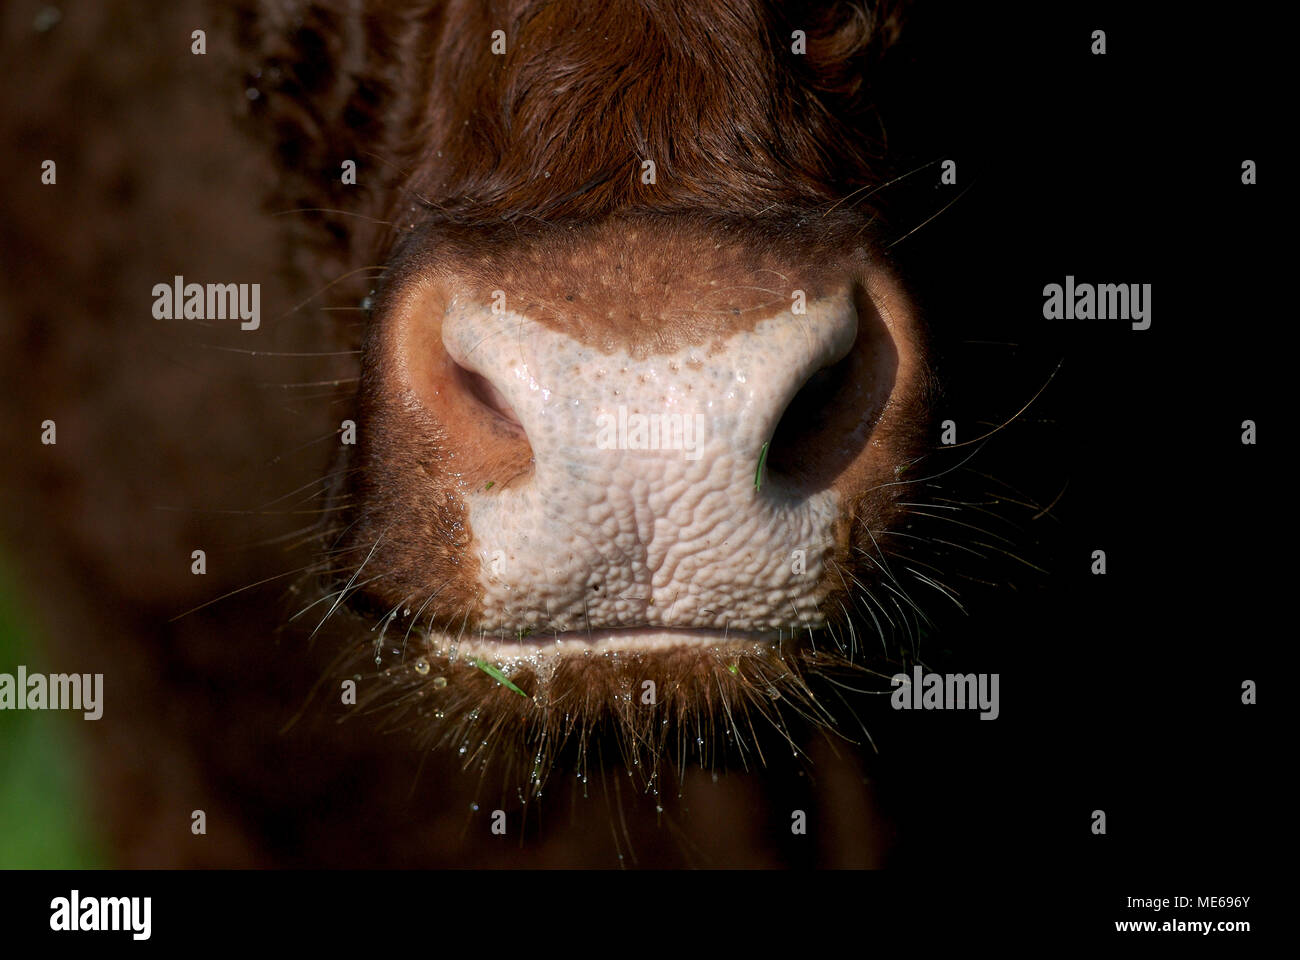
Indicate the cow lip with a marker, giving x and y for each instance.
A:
(601, 640)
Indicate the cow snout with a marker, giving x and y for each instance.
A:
(674, 450)
(649, 502)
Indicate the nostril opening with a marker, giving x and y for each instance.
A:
(808, 417)
(481, 389)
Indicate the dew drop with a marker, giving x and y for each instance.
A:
(422, 667)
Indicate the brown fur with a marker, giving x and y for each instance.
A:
(557, 128)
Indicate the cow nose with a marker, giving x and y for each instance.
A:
(651, 501)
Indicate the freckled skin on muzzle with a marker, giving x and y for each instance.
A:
(644, 506)
(627, 455)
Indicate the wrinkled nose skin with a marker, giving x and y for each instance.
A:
(646, 515)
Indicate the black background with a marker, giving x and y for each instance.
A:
(1123, 692)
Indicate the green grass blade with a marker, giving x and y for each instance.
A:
(498, 676)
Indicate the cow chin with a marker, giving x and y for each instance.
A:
(627, 478)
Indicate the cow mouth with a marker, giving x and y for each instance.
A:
(603, 640)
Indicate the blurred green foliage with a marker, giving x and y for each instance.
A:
(42, 822)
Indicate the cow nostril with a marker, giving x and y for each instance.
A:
(481, 389)
(808, 417)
